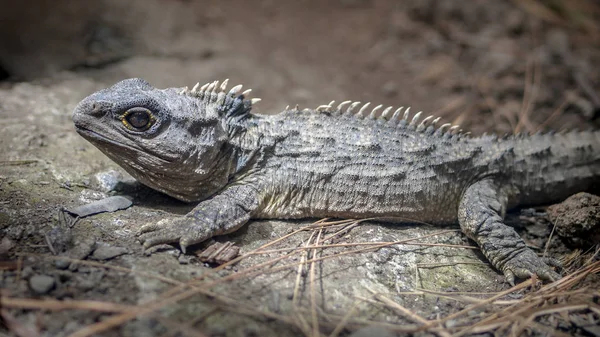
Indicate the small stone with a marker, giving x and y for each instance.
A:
(106, 252)
(62, 264)
(83, 248)
(372, 330)
(451, 323)
(41, 284)
(26, 272)
(5, 245)
(184, 259)
(81, 251)
(86, 285)
(108, 180)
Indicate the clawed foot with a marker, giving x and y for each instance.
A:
(526, 263)
(180, 230)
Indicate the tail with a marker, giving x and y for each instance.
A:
(550, 167)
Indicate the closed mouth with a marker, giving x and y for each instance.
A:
(92, 135)
(87, 133)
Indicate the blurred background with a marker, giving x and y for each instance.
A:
(490, 65)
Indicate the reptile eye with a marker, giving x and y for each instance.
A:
(138, 119)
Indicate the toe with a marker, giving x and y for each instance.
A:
(527, 263)
(553, 262)
(173, 230)
(150, 227)
(548, 274)
(522, 273)
(157, 237)
(153, 240)
(510, 277)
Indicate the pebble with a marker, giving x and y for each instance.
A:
(370, 331)
(81, 251)
(108, 181)
(5, 245)
(27, 272)
(451, 323)
(105, 252)
(86, 285)
(41, 284)
(62, 264)
(184, 259)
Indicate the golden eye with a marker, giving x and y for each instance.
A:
(138, 119)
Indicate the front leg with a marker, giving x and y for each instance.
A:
(480, 217)
(224, 213)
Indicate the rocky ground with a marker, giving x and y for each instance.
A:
(491, 66)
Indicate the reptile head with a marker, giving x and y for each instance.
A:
(171, 141)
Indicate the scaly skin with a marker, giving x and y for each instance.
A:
(205, 145)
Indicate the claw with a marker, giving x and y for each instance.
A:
(148, 228)
(518, 273)
(523, 273)
(549, 275)
(153, 241)
(510, 277)
(183, 244)
(526, 264)
(553, 262)
(181, 230)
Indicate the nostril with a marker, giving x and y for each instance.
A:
(97, 108)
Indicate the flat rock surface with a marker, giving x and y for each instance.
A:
(468, 64)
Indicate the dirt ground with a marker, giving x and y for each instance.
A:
(491, 66)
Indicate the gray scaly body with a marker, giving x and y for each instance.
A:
(347, 161)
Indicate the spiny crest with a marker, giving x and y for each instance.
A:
(400, 116)
(215, 93)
